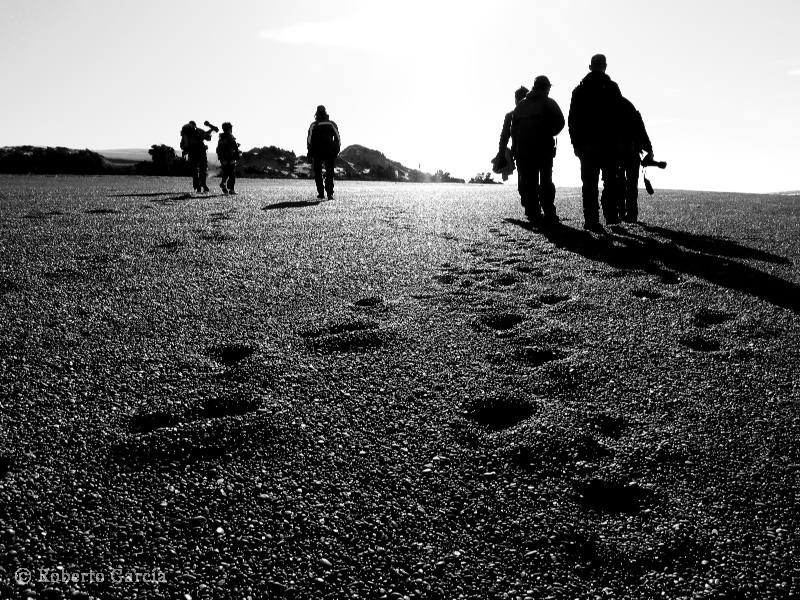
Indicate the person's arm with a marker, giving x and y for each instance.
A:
(574, 124)
(308, 138)
(336, 137)
(557, 118)
(644, 139)
(505, 133)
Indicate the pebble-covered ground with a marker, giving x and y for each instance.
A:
(405, 392)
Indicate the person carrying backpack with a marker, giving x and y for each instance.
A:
(323, 143)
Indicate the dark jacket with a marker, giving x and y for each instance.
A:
(192, 140)
(323, 139)
(633, 136)
(594, 114)
(227, 148)
(534, 123)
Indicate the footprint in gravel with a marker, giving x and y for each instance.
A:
(6, 462)
(338, 328)
(370, 302)
(646, 294)
(500, 411)
(708, 317)
(505, 279)
(7, 286)
(613, 496)
(699, 343)
(167, 246)
(352, 336)
(537, 355)
(146, 422)
(62, 274)
(230, 354)
(607, 424)
(353, 341)
(670, 278)
(551, 450)
(227, 406)
(198, 440)
(445, 278)
(501, 321)
(553, 298)
(102, 211)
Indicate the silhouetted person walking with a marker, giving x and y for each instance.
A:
(632, 142)
(535, 122)
(323, 145)
(193, 145)
(228, 153)
(503, 163)
(593, 129)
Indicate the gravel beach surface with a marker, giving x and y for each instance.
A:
(405, 392)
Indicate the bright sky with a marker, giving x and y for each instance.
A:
(425, 82)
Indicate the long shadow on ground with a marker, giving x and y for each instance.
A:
(145, 195)
(627, 250)
(714, 245)
(298, 204)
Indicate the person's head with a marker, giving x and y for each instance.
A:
(520, 93)
(227, 127)
(192, 124)
(598, 63)
(541, 85)
(321, 113)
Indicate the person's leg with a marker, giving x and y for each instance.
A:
(232, 178)
(609, 199)
(547, 189)
(317, 163)
(330, 163)
(194, 168)
(224, 180)
(203, 172)
(632, 190)
(522, 185)
(590, 174)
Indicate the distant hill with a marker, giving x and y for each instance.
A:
(50, 161)
(354, 162)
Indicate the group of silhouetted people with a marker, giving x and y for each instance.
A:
(607, 134)
(193, 145)
(606, 131)
(323, 143)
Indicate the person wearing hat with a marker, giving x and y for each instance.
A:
(534, 124)
(594, 122)
(323, 143)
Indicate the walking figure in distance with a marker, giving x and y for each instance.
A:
(228, 153)
(323, 143)
(193, 145)
(593, 129)
(535, 122)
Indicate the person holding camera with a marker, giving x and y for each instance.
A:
(593, 129)
(193, 145)
(633, 141)
(535, 122)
